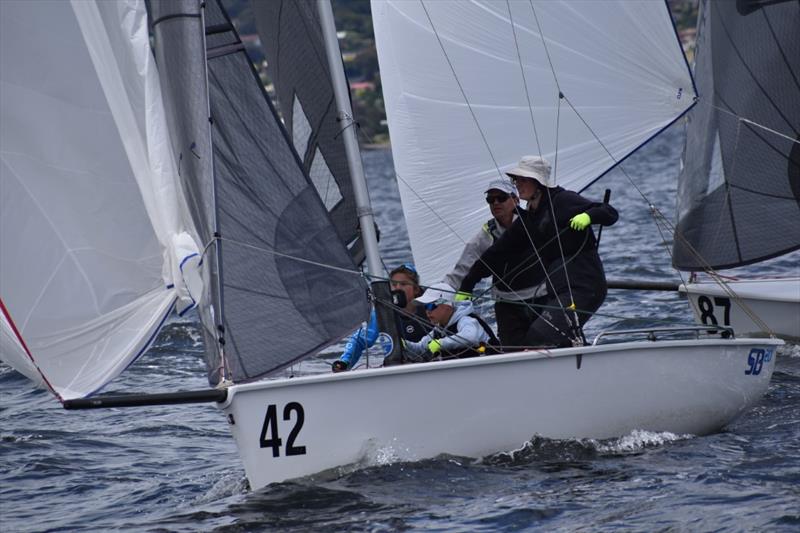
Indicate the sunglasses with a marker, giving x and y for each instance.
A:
(430, 306)
(496, 198)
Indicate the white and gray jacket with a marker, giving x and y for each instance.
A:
(470, 333)
(524, 286)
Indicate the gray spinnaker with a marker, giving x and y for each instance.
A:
(291, 38)
(288, 284)
(739, 189)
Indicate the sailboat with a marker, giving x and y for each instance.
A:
(739, 189)
(251, 241)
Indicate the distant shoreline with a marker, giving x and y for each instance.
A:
(376, 146)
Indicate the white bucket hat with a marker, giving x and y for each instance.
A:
(534, 167)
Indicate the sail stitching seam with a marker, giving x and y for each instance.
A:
(752, 123)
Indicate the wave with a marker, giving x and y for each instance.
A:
(542, 449)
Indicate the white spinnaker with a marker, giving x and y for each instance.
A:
(90, 210)
(617, 62)
(14, 353)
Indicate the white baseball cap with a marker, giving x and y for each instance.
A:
(440, 292)
(502, 185)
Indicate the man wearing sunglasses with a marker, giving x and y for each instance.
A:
(517, 283)
(458, 331)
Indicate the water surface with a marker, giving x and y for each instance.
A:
(177, 468)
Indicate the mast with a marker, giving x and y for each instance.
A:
(341, 92)
(219, 331)
(381, 290)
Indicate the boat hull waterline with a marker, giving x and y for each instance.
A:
(775, 301)
(294, 427)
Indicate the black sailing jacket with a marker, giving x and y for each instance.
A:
(583, 264)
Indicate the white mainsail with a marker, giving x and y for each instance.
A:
(467, 94)
(91, 233)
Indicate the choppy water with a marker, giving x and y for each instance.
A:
(177, 469)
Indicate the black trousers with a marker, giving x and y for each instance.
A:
(514, 319)
(555, 327)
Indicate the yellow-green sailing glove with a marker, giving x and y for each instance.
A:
(580, 222)
(435, 346)
(463, 296)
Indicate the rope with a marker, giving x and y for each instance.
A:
(555, 224)
(546, 50)
(295, 258)
(453, 231)
(524, 81)
(555, 163)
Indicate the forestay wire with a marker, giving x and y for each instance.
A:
(522, 73)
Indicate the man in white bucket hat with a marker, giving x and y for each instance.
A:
(515, 285)
(555, 228)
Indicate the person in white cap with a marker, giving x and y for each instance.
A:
(556, 229)
(457, 332)
(517, 284)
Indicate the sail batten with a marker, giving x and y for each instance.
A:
(739, 189)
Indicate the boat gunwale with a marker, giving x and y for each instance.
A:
(508, 358)
(742, 288)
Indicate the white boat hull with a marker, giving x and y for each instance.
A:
(475, 407)
(775, 301)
